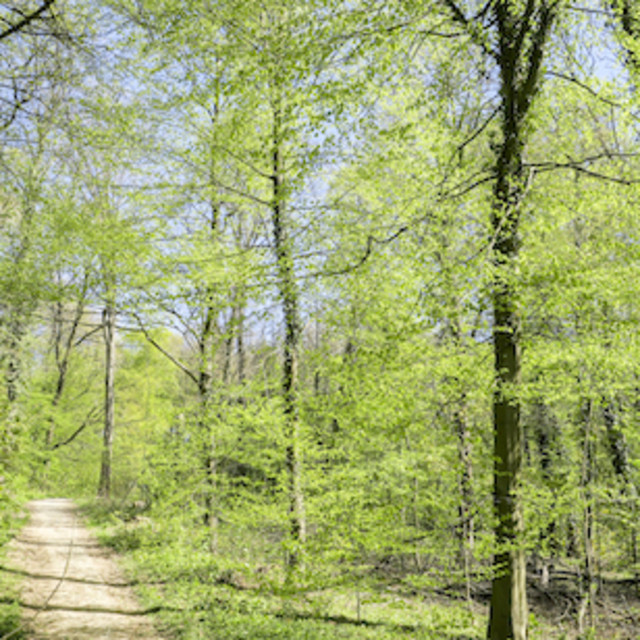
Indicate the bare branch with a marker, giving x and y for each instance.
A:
(81, 339)
(91, 417)
(527, 90)
(30, 17)
(582, 85)
(164, 352)
(582, 167)
(457, 13)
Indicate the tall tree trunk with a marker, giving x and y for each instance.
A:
(205, 391)
(508, 616)
(289, 297)
(522, 33)
(619, 452)
(14, 331)
(589, 585)
(465, 458)
(545, 429)
(109, 326)
(229, 331)
(206, 348)
(13, 370)
(467, 533)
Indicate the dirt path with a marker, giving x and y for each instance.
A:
(93, 599)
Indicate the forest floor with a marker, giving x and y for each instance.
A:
(71, 587)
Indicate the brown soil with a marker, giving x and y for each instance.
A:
(72, 587)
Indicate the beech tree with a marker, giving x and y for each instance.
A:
(515, 36)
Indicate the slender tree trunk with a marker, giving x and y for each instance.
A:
(206, 347)
(20, 302)
(546, 428)
(465, 458)
(589, 584)
(15, 332)
(19, 306)
(508, 617)
(205, 391)
(467, 535)
(13, 371)
(228, 346)
(619, 452)
(109, 325)
(508, 598)
(62, 349)
(210, 517)
(289, 298)
(240, 350)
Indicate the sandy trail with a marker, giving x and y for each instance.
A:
(92, 601)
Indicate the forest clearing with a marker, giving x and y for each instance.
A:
(322, 316)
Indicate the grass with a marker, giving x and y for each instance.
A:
(221, 612)
(205, 596)
(216, 597)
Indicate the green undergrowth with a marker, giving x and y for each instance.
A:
(202, 595)
(237, 594)
(10, 621)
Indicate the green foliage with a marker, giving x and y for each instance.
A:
(220, 597)
(11, 621)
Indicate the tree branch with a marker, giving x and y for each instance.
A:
(30, 17)
(584, 86)
(527, 89)
(86, 422)
(164, 352)
(81, 339)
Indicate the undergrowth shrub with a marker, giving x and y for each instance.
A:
(10, 622)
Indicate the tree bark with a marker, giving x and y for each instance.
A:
(15, 333)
